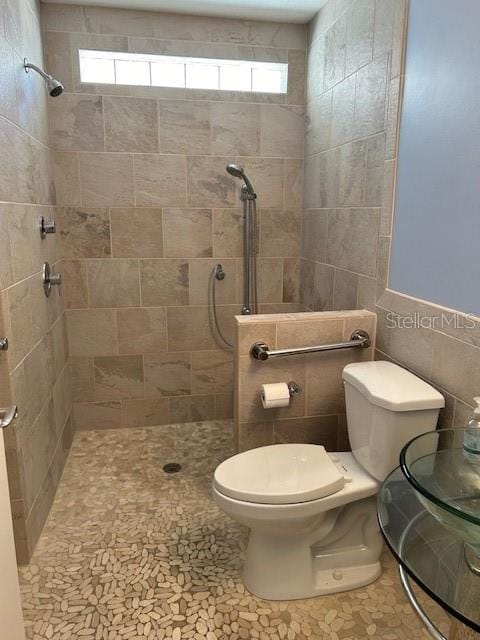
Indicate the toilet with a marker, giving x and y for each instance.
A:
(312, 513)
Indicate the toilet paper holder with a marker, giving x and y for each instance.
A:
(293, 388)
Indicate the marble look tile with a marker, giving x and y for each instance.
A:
(113, 283)
(370, 97)
(319, 430)
(173, 276)
(76, 123)
(20, 316)
(188, 233)
(315, 235)
(291, 280)
(323, 280)
(67, 178)
(352, 174)
(91, 332)
(184, 127)
(58, 57)
(106, 179)
(235, 129)
(131, 124)
(319, 122)
(321, 180)
(255, 434)
(296, 76)
(327, 376)
(84, 232)
(352, 239)
(270, 279)
(136, 232)
(97, 415)
(160, 181)
(146, 412)
(167, 374)
(345, 290)
(335, 48)
(386, 219)
(374, 180)
(188, 329)
(306, 333)
(282, 131)
(280, 232)
(294, 183)
(21, 233)
(142, 330)
(6, 264)
(343, 107)
(82, 373)
(269, 180)
(209, 185)
(8, 92)
(383, 30)
(192, 408)
(228, 233)
(212, 372)
(180, 27)
(223, 406)
(360, 28)
(268, 34)
(118, 377)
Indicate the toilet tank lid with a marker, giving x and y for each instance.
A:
(389, 386)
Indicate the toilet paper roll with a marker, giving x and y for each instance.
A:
(275, 395)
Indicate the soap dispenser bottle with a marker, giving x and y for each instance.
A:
(471, 438)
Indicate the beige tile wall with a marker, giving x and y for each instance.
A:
(354, 55)
(353, 115)
(34, 371)
(317, 414)
(147, 209)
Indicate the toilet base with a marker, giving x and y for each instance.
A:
(337, 551)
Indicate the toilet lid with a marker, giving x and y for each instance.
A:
(279, 474)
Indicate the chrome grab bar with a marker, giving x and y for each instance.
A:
(359, 338)
(7, 416)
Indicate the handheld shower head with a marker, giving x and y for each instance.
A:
(237, 171)
(54, 86)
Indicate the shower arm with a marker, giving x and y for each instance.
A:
(29, 65)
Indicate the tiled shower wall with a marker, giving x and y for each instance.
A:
(354, 60)
(355, 67)
(147, 209)
(317, 413)
(34, 372)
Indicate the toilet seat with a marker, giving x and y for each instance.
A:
(281, 474)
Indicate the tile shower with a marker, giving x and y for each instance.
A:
(144, 211)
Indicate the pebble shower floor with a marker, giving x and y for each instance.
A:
(130, 552)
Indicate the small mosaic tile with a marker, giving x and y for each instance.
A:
(131, 552)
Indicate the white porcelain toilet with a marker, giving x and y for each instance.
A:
(312, 514)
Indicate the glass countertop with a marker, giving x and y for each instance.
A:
(438, 559)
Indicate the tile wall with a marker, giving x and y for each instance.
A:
(354, 83)
(146, 209)
(317, 414)
(34, 372)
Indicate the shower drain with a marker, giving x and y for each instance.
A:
(172, 467)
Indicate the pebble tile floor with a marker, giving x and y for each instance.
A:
(129, 552)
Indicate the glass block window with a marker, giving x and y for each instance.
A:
(114, 67)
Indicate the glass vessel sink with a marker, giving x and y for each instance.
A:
(446, 481)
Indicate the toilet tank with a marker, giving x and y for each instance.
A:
(386, 407)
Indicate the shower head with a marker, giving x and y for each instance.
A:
(237, 171)
(54, 86)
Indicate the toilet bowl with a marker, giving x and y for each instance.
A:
(312, 513)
